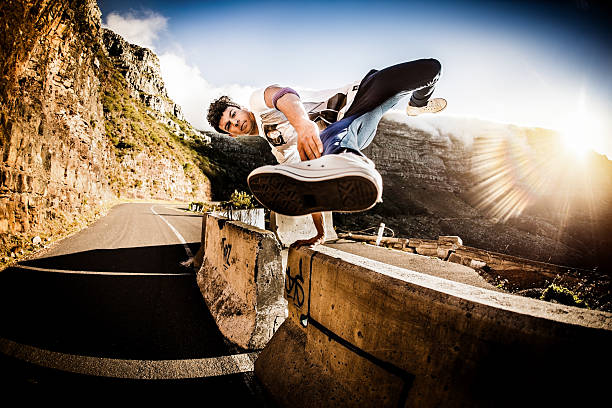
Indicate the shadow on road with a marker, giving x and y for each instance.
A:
(153, 259)
(131, 317)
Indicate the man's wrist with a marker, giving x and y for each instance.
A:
(304, 123)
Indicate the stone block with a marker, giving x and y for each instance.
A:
(241, 280)
(477, 264)
(452, 240)
(455, 258)
(442, 252)
(423, 247)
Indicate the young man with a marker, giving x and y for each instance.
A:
(317, 138)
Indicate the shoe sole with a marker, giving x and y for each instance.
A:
(288, 196)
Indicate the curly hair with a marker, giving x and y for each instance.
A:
(216, 109)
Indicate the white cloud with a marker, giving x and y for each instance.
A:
(142, 31)
(187, 87)
(452, 129)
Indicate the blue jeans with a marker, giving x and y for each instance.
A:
(378, 92)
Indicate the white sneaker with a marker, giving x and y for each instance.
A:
(344, 182)
(434, 105)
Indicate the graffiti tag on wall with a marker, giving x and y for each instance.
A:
(227, 250)
(293, 286)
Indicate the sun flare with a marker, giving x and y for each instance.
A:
(581, 131)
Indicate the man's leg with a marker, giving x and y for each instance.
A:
(378, 92)
(355, 132)
(418, 77)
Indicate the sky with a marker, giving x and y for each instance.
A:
(537, 63)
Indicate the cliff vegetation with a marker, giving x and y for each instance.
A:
(85, 121)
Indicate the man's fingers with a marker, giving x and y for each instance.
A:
(314, 148)
(319, 145)
(312, 152)
(307, 149)
(304, 152)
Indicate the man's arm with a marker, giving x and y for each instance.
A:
(309, 144)
(319, 223)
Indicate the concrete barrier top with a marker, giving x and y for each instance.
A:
(360, 332)
(418, 263)
(499, 300)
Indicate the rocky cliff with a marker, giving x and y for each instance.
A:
(148, 139)
(499, 187)
(140, 68)
(84, 120)
(231, 160)
(54, 154)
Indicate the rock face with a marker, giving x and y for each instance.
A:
(140, 67)
(233, 159)
(499, 187)
(75, 133)
(54, 153)
(151, 145)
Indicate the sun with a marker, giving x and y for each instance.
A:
(581, 132)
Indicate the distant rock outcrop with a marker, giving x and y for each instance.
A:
(140, 68)
(234, 159)
(499, 187)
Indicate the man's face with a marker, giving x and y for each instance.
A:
(237, 121)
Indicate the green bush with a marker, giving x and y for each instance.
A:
(199, 206)
(563, 296)
(241, 200)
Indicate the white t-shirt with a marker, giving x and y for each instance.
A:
(276, 129)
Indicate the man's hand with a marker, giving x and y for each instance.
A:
(318, 239)
(309, 143)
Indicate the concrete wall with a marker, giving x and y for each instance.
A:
(241, 280)
(253, 216)
(521, 272)
(362, 333)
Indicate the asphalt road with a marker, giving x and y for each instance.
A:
(113, 306)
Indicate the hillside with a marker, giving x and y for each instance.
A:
(85, 120)
(500, 187)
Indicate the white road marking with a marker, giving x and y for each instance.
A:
(130, 369)
(36, 269)
(178, 234)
